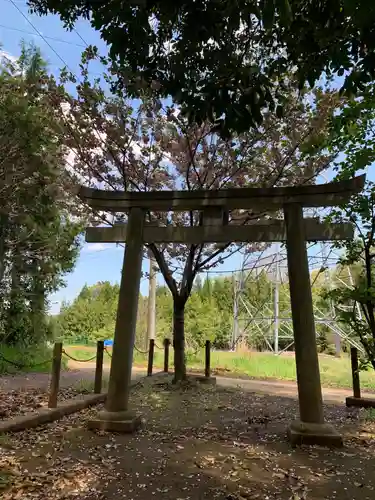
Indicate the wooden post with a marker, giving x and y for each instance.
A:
(99, 367)
(150, 357)
(166, 354)
(55, 375)
(355, 372)
(207, 368)
(151, 310)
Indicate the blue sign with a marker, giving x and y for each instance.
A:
(108, 343)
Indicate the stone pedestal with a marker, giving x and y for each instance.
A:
(307, 363)
(116, 416)
(125, 422)
(300, 433)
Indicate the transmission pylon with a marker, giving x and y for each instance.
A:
(268, 322)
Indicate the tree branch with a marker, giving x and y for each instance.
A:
(163, 266)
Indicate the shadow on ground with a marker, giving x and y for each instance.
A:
(197, 442)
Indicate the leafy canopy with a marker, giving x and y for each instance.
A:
(119, 146)
(225, 61)
(354, 133)
(38, 238)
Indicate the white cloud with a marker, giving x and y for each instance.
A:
(7, 57)
(95, 247)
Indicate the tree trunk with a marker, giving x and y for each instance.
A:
(179, 341)
(2, 250)
(2, 269)
(37, 302)
(16, 308)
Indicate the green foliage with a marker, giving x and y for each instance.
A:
(226, 61)
(353, 132)
(208, 316)
(38, 240)
(91, 315)
(355, 303)
(27, 358)
(204, 320)
(369, 415)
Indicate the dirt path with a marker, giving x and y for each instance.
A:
(84, 372)
(41, 380)
(271, 387)
(285, 388)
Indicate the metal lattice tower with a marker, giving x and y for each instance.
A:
(270, 317)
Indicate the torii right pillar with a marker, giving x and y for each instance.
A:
(311, 428)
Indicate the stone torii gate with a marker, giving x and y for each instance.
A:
(215, 206)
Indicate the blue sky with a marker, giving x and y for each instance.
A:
(96, 261)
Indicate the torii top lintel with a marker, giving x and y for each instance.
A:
(317, 195)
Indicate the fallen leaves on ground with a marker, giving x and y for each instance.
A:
(17, 402)
(196, 442)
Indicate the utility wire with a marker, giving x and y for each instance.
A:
(38, 32)
(46, 41)
(60, 40)
(81, 37)
(45, 38)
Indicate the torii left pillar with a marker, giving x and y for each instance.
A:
(117, 416)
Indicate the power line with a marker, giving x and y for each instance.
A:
(46, 41)
(81, 37)
(60, 40)
(45, 38)
(38, 32)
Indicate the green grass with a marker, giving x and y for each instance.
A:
(334, 372)
(15, 359)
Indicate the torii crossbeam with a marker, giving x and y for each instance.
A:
(216, 206)
(263, 231)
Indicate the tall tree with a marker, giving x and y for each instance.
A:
(153, 147)
(92, 315)
(353, 131)
(355, 303)
(218, 59)
(38, 239)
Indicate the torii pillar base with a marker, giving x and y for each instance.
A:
(123, 422)
(300, 433)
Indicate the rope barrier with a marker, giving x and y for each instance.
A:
(157, 347)
(76, 359)
(23, 366)
(135, 347)
(141, 352)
